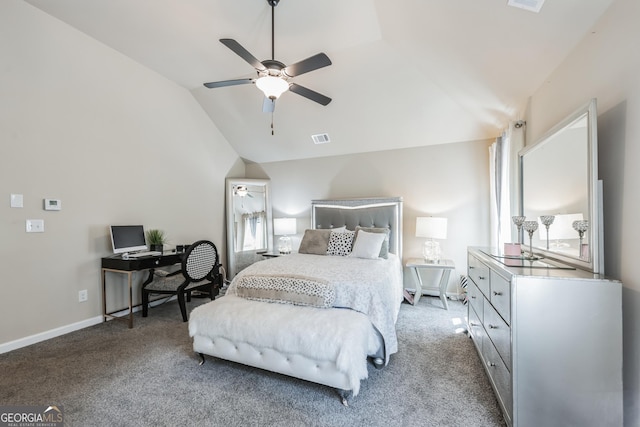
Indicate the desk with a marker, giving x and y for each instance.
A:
(116, 264)
(446, 265)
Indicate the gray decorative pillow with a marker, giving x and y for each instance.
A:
(315, 242)
(384, 250)
(340, 243)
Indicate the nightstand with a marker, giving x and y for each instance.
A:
(445, 265)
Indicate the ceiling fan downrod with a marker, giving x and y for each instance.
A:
(273, 4)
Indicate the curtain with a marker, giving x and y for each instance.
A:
(504, 188)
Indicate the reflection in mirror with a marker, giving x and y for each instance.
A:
(249, 233)
(560, 191)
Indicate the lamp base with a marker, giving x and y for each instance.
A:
(431, 251)
(284, 245)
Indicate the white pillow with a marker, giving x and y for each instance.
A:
(367, 245)
(339, 229)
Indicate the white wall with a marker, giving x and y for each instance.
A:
(450, 180)
(606, 66)
(115, 142)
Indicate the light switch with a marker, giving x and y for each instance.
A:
(16, 201)
(35, 226)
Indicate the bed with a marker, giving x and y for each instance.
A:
(318, 315)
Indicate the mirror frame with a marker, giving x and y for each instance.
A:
(231, 182)
(595, 263)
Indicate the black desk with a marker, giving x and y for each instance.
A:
(116, 264)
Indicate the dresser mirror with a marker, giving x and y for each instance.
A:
(249, 222)
(559, 187)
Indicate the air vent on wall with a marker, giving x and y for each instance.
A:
(321, 138)
(531, 5)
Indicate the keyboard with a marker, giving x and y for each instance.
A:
(142, 254)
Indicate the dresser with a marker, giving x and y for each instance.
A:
(550, 339)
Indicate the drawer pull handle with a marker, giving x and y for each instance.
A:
(481, 277)
(473, 324)
(491, 364)
(492, 326)
(473, 297)
(497, 293)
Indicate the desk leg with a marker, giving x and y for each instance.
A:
(444, 282)
(418, 294)
(104, 296)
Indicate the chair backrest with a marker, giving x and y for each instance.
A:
(200, 260)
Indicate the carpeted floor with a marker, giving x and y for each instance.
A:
(108, 375)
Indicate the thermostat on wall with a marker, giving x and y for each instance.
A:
(52, 204)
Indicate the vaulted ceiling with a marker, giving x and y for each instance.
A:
(405, 73)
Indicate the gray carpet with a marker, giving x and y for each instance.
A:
(108, 375)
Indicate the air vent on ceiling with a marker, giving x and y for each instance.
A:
(532, 5)
(321, 138)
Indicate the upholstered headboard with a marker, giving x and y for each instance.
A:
(371, 212)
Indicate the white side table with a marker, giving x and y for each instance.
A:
(445, 265)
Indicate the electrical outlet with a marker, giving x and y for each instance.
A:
(83, 295)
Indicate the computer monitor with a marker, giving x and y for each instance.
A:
(127, 238)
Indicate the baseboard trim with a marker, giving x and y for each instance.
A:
(62, 330)
(46, 335)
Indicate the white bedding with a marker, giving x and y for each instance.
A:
(370, 286)
(250, 331)
(312, 333)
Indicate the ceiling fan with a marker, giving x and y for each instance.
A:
(273, 76)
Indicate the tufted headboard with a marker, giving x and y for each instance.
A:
(369, 212)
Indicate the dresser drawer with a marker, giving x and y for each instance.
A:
(476, 330)
(501, 295)
(479, 273)
(499, 332)
(500, 377)
(476, 300)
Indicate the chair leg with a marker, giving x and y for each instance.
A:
(145, 303)
(183, 306)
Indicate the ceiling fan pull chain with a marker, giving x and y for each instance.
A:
(272, 131)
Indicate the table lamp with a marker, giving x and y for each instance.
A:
(284, 227)
(431, 228)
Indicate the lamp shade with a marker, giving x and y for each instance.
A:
(562, 227)
(284, 226)
(431, 227)
(272, 86)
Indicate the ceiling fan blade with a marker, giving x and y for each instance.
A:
(312, 63)
(310, 94)
(268, 105)
(224, 83)
(243, 53)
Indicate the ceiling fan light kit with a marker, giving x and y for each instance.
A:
(273, 76)
(272, 87)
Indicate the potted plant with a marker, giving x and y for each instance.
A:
(156, 239)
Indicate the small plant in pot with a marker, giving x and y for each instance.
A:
(156, 240)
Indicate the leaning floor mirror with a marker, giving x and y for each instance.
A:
(249, 222)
